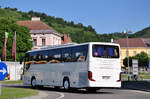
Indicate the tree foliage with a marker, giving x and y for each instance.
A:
(76, 31)
(23, 38)
(60, 25)
(142, 58)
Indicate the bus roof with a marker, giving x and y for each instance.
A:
(71, 45)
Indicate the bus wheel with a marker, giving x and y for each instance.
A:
(33, 82)
(66, 84)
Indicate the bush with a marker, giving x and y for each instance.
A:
(142, 58)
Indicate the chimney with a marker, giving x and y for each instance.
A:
(35, 19)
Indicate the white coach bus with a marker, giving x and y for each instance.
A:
(91, 65)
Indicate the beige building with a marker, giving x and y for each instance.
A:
(135, 46)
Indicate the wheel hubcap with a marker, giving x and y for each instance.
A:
(33, 82)
(66, 84)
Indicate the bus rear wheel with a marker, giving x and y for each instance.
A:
(66, 84)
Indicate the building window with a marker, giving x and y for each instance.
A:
(34, 42)
(127, 53)
(134, 53)
(43, 41)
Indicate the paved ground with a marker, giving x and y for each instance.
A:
(129, 90)
(137, 85)
(107, 94)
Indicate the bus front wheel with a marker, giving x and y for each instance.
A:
(33, 82)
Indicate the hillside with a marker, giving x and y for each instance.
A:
(78, 32)
(145, 33)
(8, 13)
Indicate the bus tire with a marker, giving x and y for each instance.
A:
(33, 82)
(66, 84)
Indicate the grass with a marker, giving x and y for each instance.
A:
(11, 93)
(125, 76)
(144, 73)
(12, 82)
(145, 77)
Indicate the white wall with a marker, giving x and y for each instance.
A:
(51, 39)
(15, 69)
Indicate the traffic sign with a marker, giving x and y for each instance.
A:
(135, 66)
(3, 71)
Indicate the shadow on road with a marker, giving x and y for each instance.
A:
(76, 91)
(126, 85)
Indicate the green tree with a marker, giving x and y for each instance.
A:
(142, 58)
(125, 61)
(23, 38)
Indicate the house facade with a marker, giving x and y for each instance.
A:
(135, 46)
(42, 34)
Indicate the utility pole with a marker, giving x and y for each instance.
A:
(127, 48)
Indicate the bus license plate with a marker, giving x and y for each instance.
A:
(105, 77)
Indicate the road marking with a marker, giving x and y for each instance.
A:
(138, 91)
(61, 95)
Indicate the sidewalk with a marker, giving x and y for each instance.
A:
(137, 85)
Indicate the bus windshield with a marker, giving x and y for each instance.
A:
(105, 51)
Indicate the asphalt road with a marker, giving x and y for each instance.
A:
(101, 94)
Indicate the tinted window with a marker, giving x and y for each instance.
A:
(105, 51)
(67, 54)
(80, 53)
(54, 56)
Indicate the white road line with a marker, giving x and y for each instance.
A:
(61, 95)
(138, 91)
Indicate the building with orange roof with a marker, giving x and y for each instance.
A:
(135, 46)
(44, 35)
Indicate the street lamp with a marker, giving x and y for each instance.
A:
(127, 49)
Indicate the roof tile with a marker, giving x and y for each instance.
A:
(132, 42)
(35, 25)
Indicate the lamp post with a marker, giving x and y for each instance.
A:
(127, 49)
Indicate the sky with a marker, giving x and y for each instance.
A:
(105, 16)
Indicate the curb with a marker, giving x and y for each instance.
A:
(138, 89)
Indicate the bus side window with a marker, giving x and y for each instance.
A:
(38, 57)
(55, 56)
(80, 57)
(44, 56)
(80, 53)
(66, 55)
